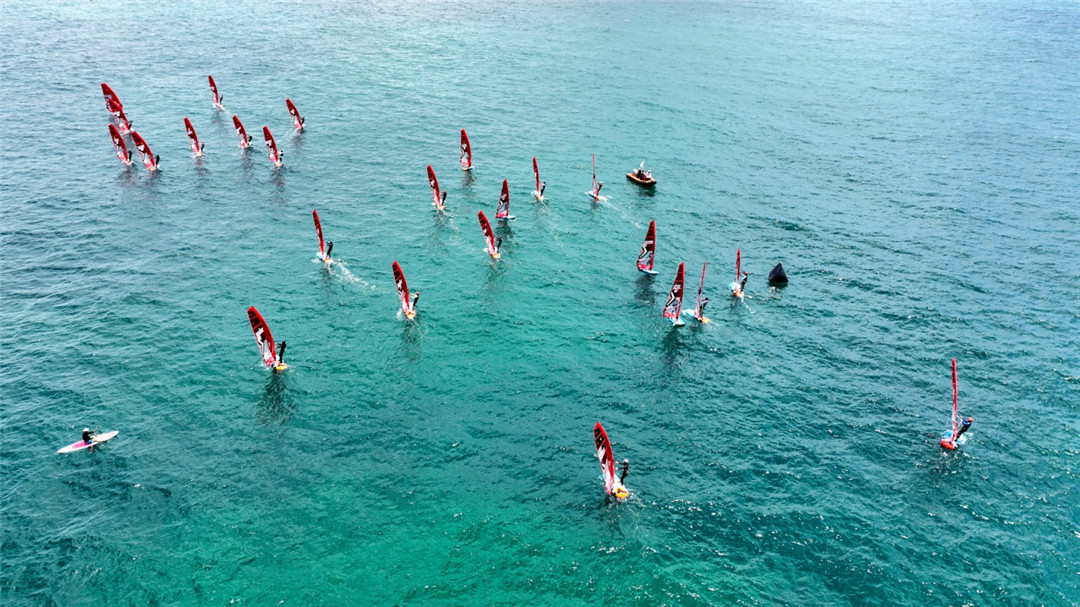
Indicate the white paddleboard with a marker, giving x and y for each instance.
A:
(97, 440)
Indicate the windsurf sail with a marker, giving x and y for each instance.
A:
(318, 230)
(673, 307)
(436, 195)
(738, 264)
(489, 236)
(594, 188)
(297, 119)
(403, 292)
(241, 132)
(193, 139)
(118, 142)
(148, 159)
(263, 337)
(213, 89)
(536, 175)
(271, 148)
(648, 249)
(697, 303)
(607, 459)
(122, 121)
(503, 210)
(112, 102)
(955, 402)
(466, 152)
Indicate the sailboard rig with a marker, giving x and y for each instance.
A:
(323, 254)
(466, 152)
(948, 440)
(114, 107)
(492, 247)
(538, 193)
(241, 132)
(736, 286)
(594, 193)
(118, 143)
(612, 485)
(438, 198)
(148, 159)
(673, 306)
(503, 210)
(265, 341)
(648, 250)
(297, 119)
(699, 303)
(403, 293)
(193, 139)
(215, 93)
(271, 148)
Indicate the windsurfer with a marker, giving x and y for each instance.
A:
(281, 353)
(543, 186)
(596, 192)
(329, 247)
(704, 302)
(416, 298)
(443, 199)
(625, 470)
(498, 244)
(963, 428)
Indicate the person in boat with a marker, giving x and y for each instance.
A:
(281, 353)
(543, 186)
(625, 470)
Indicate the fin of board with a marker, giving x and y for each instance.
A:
(648, 249)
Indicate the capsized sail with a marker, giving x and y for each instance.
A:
(241, 132)
(148, 159)
(318, 230)
(403, 292)
(433, 182)
(193, 139)
(489, 236)
(503, 210)
(673, 306)
(466, 152)
(607, 459)
(214, 91)
(648, 249)
(118, 143)
(297, 119)
(263, 337)
(271, 147)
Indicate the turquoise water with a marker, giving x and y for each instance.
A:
(915, 166)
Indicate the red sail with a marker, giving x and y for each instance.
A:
(241, 132)
(536, 174)
(648, 249)
(436, 195)
(118, 143)
(466, 151)
(112, 102)
(271, 147)
(144, 151)
(213, 89)
(673, 307)
(503, 210)
(193, 139)
(297, 120)
(607, 459)
(403, 291)
(318, 230)
(263, 337)
(738, 264)
(489, 236)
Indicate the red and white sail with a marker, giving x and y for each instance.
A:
(113, 105)
(489, 236)
(118, 143)
(193, 139)
(214, 92)
(466, 152)
(648, 249)
(673, 307)
(297, 119)
(736, 286)
(147, 156)
(503, 210)
(607, 458)
(949, 440)
(263, 338)
(698, 314)
(271, 147)
(318, 231)
(241, 132)
(436, 194)
(403, 292)
(536, 175)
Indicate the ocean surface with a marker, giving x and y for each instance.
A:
(914, 165)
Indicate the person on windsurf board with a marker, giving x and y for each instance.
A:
(951, 439)
(438, 199)
(271, 148)
(699, 305)
(407, 308)
(149, 160)
(122, 152)
(241, 132)
(648, 250)
(538, 193)
(594, 193)
(739, 284)
(265, 340)
(218, 99)
(673, 306)
(612, 486)
(492, 247)
(193, 139)
(297, 119)
(503, 210)
(466, 152)
(324, 247)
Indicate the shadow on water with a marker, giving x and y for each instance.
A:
(644, 294)
(278, 181)
(297, 142)
(671, 345)
(276, 405)
(467, 179)
(411, 336)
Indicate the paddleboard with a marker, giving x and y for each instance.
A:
(97, 440)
